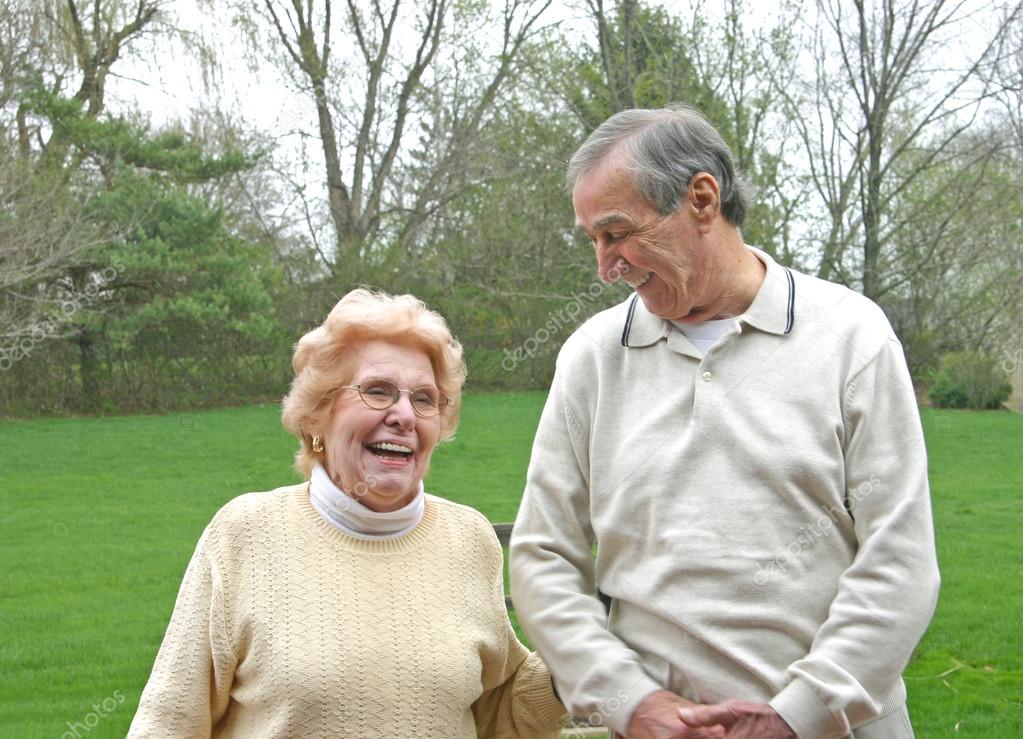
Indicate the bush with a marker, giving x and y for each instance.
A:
(969, 380)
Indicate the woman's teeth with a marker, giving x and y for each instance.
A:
(387, 449)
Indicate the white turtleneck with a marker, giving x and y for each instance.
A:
(353, 518)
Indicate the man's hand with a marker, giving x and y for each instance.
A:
(657, 717)
(740, 719)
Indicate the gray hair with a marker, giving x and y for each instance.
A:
(665, 149)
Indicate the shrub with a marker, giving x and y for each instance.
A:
(969, 380)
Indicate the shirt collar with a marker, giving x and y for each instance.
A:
(642, 328)
(772, 310)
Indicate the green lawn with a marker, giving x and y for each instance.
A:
(967, 678)
(98, 518)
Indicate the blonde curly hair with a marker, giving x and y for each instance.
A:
(324, 361)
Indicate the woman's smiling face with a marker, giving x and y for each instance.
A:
(379, 457)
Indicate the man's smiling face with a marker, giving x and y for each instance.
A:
(661, 257)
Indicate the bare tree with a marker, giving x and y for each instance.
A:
(1009, 77)
(890, 98)
(374, 106)
(86, 41)
(44, 233)
(55, 53)
(642, 56)
(960, 279)
(745, 68)
(732, 69)
(44, 227)
(619, 73)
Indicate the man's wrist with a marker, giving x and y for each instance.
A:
(803, 710)
(627, 703)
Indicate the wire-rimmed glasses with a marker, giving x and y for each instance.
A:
(380, 395)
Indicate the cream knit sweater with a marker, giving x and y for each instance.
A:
(285, 627)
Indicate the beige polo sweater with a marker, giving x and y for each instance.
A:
(761, 514)
(285, 627)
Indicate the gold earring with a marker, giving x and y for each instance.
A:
(317, 444)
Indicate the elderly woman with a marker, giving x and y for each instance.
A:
(354, 604)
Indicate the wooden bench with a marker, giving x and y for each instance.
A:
(579, 727)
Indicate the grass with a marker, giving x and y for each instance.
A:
(967, 678)
(98, 518)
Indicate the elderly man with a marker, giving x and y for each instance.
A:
(734, 454)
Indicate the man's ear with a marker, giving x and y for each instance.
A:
(704, 196)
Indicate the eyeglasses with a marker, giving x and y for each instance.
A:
(381, 395)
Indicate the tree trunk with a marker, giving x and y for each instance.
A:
(88, 367)
(347, 243)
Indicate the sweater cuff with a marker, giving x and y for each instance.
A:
(536, 694)
(642, 688)
(805, 712)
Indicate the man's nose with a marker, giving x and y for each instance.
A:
(610, 266)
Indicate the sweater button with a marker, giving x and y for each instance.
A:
(707, 376)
